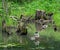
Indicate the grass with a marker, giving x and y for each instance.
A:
(28, 9)
(49, 32)
(48, 6)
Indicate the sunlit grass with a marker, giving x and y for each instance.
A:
(30, 8)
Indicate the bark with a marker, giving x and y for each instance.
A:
(5, 6)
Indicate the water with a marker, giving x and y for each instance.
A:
(22, 48)
(45, 44)
(12, 48)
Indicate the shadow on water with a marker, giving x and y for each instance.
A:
(46, 43)
(49, 43)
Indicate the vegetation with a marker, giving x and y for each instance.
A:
(28, 8)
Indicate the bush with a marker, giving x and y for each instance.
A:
(20, 1)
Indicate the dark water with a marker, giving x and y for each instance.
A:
(45, 44)
(21, 48)
(12, 48)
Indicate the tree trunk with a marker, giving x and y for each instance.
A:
(5, 7)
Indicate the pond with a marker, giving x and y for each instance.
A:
(22, 48)
(50, 44)
(46, 43)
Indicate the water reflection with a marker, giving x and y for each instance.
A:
(46, 43)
